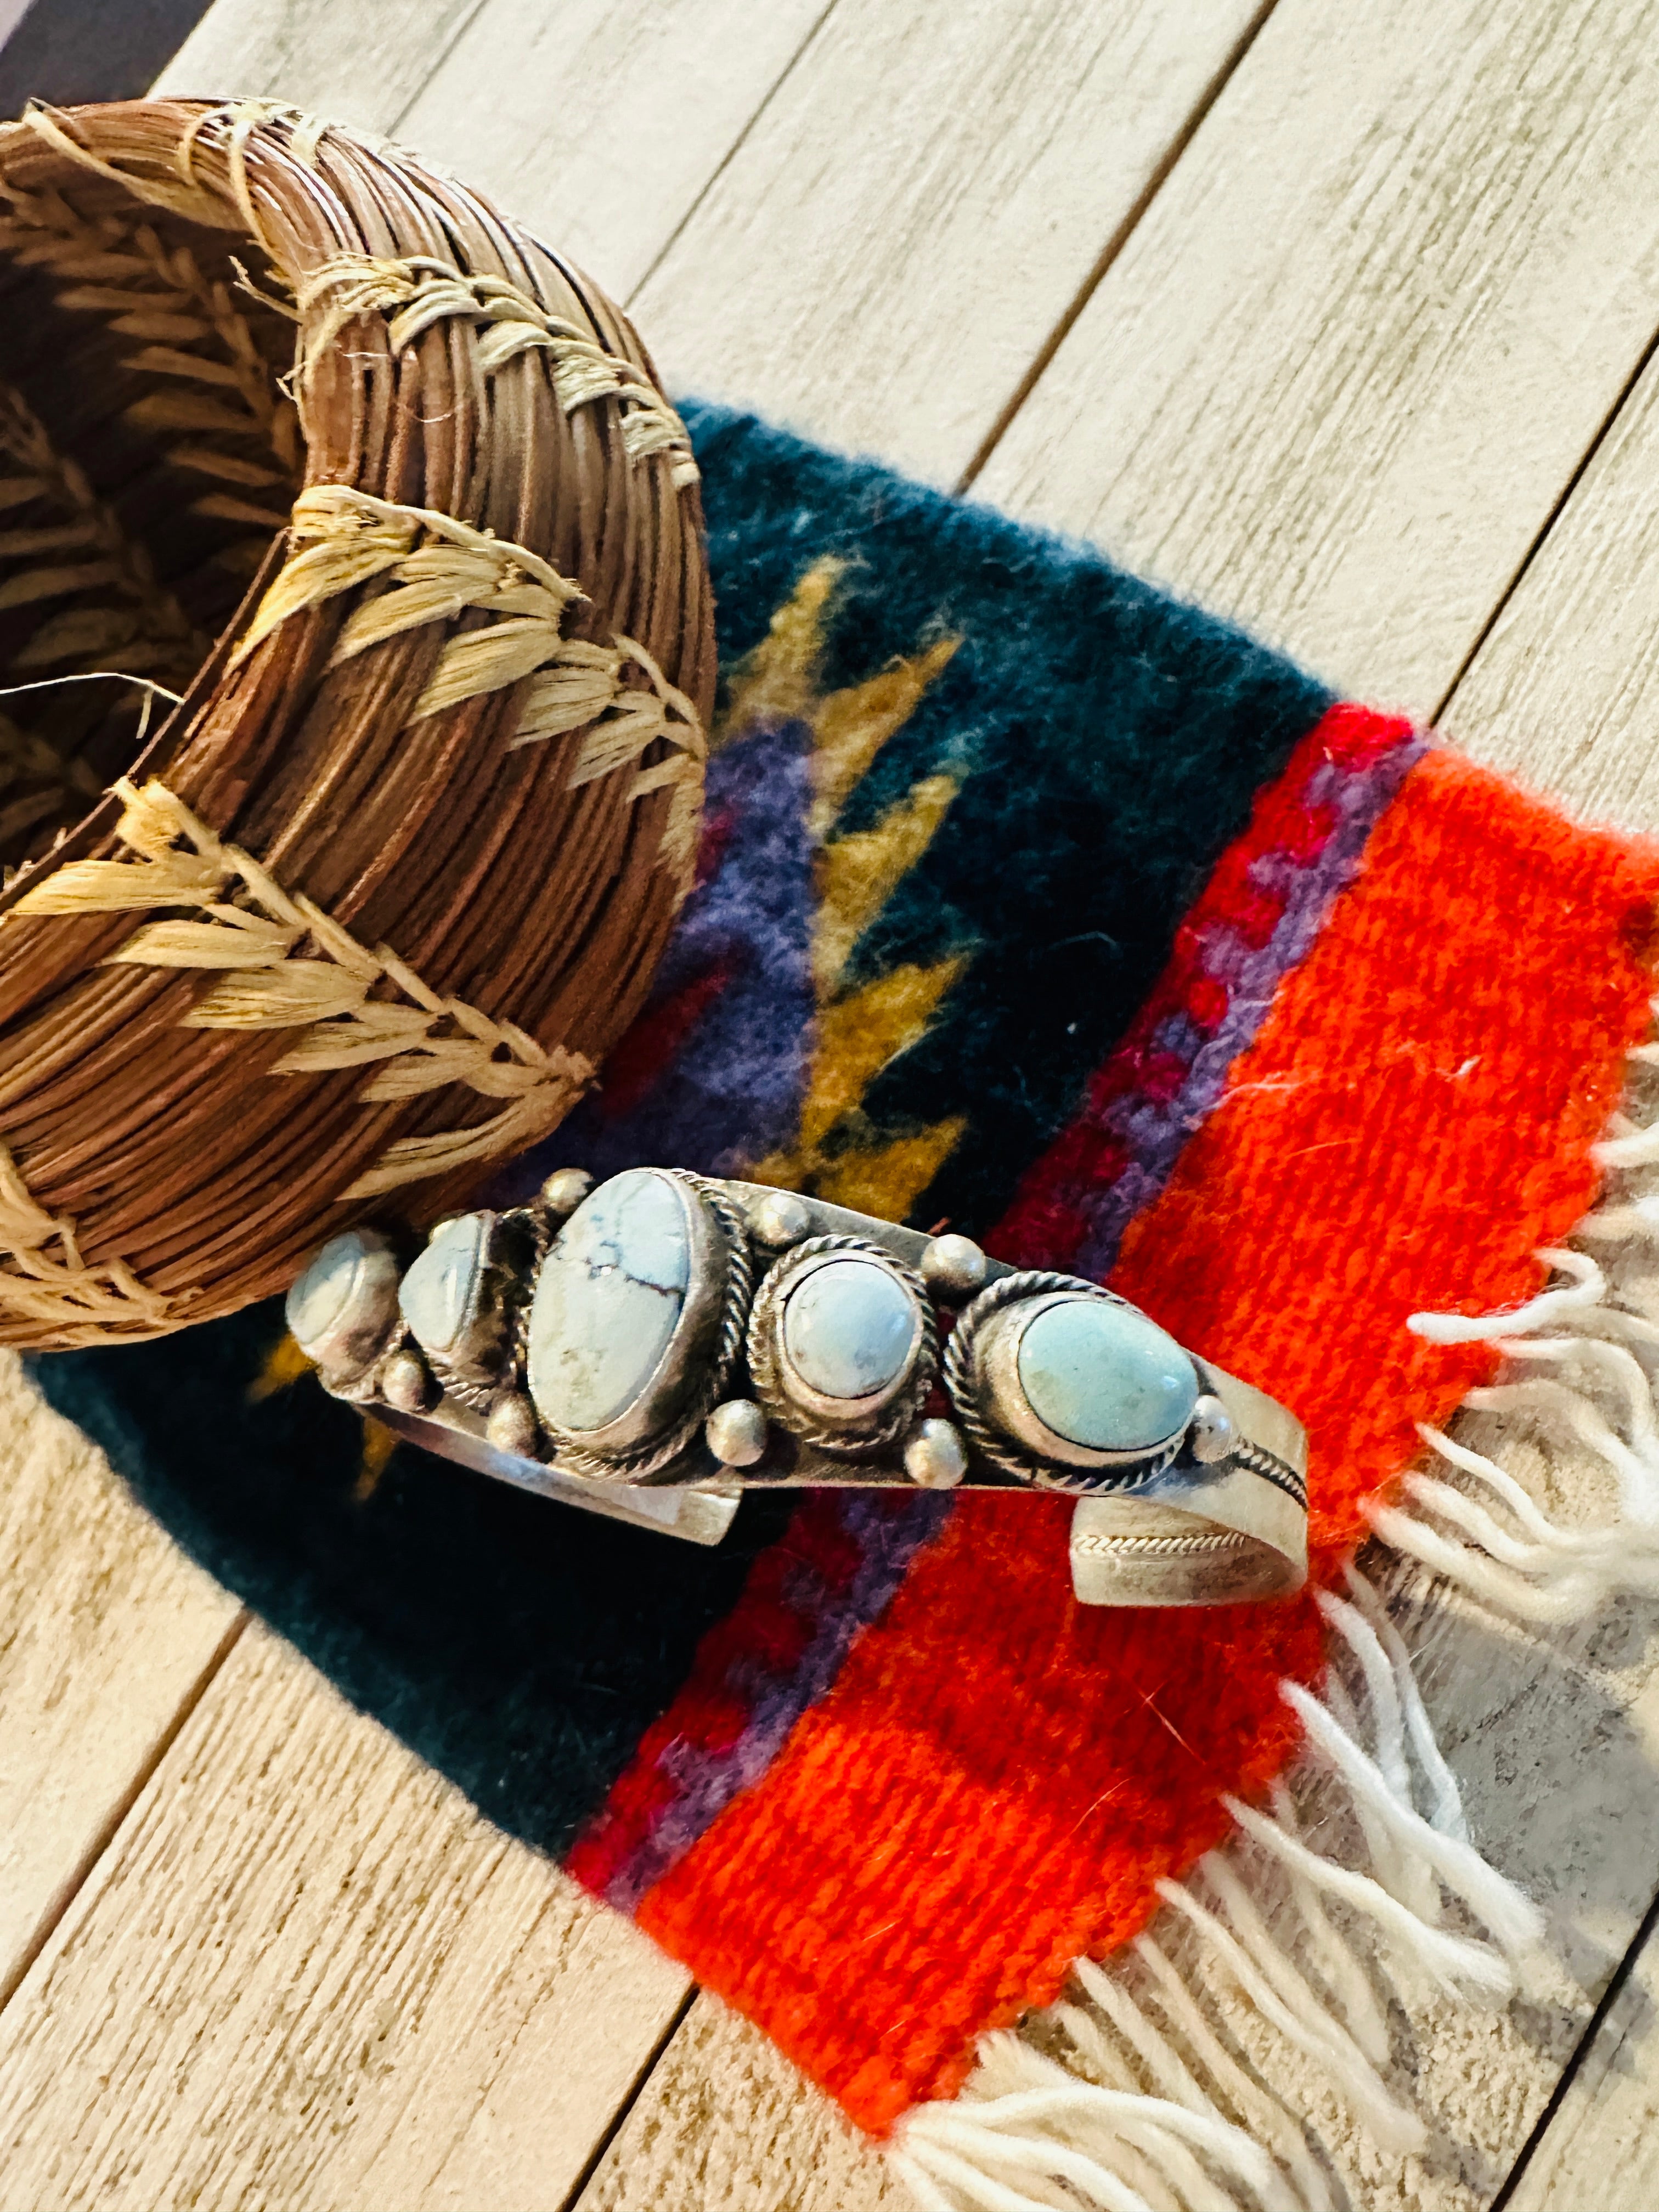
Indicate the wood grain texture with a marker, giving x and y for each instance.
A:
(1380, 251)
(1336, 381)
(917, 207)
(726, 2120)
(598, 125)
(1564, 693)
(309, 1974)
(1342, 372)
(106, 1632)
(361, 64)
(1601, 2153)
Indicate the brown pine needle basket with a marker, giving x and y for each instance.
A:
(325, 443)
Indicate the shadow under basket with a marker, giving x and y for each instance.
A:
(358, 559)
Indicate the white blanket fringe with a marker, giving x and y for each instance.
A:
(1161, 2114)
(1582, 1369)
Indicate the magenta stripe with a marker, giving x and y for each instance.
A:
(1154, 1127)
(888, 1527)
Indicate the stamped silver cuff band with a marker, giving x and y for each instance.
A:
(649, 1348)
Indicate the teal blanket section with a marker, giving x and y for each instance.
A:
(1103, 743)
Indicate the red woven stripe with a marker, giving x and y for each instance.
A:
(998, 1777)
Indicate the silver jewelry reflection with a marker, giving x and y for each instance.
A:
(982, 1380)
(743, 1337)
(857, 1427)
(668, 1415)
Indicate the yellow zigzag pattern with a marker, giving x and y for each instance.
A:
(861, 1031)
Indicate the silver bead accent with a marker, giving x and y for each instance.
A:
(735, 1433)
(404, 1382)
(781, 1218)
(954, 1268)
(564, 1191)
(512, 1426)
(1214, 1433)
(936, 1458)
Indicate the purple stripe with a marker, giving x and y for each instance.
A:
(889, 1529)
(1155, 1129)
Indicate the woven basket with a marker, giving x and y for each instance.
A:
(366, 910)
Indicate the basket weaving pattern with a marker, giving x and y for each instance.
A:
(368, 908)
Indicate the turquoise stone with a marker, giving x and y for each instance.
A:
(317, 1301)
(849, 1328)
(436, 1296)
(610, 1294)
(1104, 1377)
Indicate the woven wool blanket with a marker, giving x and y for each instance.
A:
(1033, 903)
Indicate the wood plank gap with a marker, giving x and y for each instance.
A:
(1620, 1975)
(734, 149)
(672, 2027)
(75, 1880)
(1115, 245)
(1585, 461)
(453, 40)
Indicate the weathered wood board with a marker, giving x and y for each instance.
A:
(306, 1973)
(363, 64)
(1336, 379)
(1341, 373)
(917, 206)
(106, 1633)
(601, 125)
(1601, 2153)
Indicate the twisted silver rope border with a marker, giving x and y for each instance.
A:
(1009, 1457)
(645, 1460)
(762, 1352)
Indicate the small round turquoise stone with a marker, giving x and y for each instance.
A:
(849, 1328)
(1106, 1378)
(608, 1300)
(319, 1298)
(436, 1296)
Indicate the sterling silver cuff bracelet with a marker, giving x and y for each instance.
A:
(649, 1348)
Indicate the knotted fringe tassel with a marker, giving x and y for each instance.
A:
(1581, 1371)
(1129, 2095)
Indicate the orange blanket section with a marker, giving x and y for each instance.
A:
(998, 1778)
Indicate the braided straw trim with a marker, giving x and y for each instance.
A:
(154, 632)
(421, 291)
(184, 199)
(272, 984)
(65, 1294)
(347, 539)
(162, 295)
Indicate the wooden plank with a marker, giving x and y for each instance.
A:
(359, 65)
(1391, 502)
(883, 257)
(599, 124)
(1602, 2148)
(106, 1633)
(307, 1973)
(1336, 382)
(1340, 374)
(726, 2121)
(1564, 693)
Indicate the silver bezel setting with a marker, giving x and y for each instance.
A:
(354, 1343)
(981, 1380)
(690, 1378)
(846, 1428)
